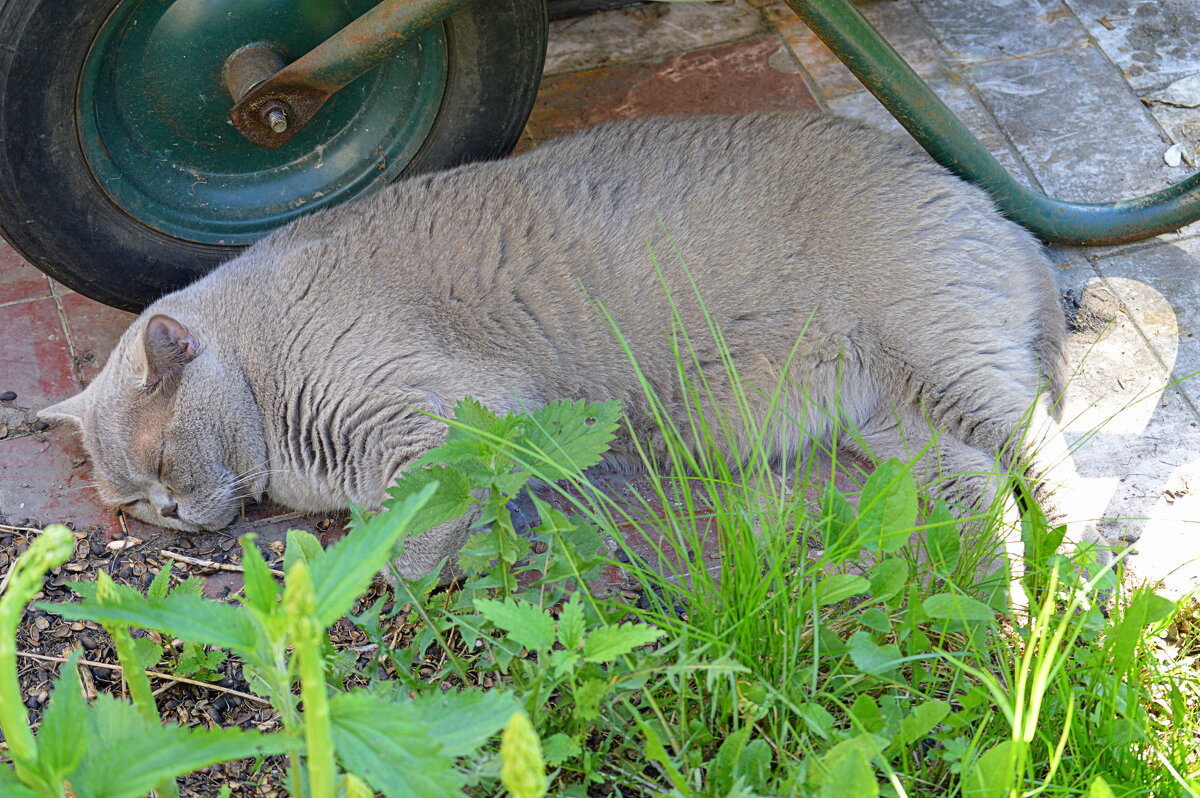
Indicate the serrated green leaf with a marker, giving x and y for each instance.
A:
(721, 769)
(839, 587)
(887, 507)
(558, 748)
(450, 499)
(344, 571)
(530, 626)
(571, 623)
(162, 581)
(463, 721)
(569, 436)
(754, 765)
(588, 694)
(262, 593)
(146, 653)
(161, 752)
(956, 607)
(390, 747)
(609, 642)
(60, 746)
(185, 616)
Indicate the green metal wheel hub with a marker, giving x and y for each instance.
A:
(154, 116)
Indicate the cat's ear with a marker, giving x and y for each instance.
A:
(69, 410)
(168, 346)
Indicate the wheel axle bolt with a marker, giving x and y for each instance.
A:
(277, 120)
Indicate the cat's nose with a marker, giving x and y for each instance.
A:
(169, 511)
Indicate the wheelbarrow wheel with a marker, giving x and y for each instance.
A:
(122, 178)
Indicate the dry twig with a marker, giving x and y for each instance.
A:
(219, 566)
(156, 674)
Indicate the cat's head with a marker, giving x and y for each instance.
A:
(172, 429)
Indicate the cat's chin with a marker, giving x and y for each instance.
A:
(186, 525)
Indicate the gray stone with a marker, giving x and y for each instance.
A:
(1154, 43)
(636, 34)
(1075, 122)
(1160, 289)
(986, 30)
(898, 22)
(863, 106)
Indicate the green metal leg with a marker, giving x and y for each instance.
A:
(881, 69)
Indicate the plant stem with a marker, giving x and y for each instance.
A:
(300, 603)
(53, 548)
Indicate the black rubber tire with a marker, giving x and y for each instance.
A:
(55, 215)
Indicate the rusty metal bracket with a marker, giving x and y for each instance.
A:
(884, 72)
(272, 107)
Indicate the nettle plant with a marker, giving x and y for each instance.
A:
(359, 741)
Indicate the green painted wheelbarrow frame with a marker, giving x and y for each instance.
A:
(302, 86)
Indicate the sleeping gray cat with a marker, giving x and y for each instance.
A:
(302, 369)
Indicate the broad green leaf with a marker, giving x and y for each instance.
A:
(992, 775)
(60, 746)
(818, 719)
(754, 765)
(559, 748)
(1100, 789)
(524, 623)
(588, 695)
(451, 498)
(839, 532)
(866, 712)
(11, 786)
(850, 776)
(876, 620)
(943, 541)
(923, 718)
(301, 545)
(609, 642)
(150, 753)
(391, 747)
(571, 623)
(840, 587)
(345, 570)
(1146, 608)
(185, 616)
(888, 578)
(522, 768)
(870, 657)
(569, 436)
(887, 507)
(262, 593)
(956, 607)
(463, 721)
(721, 769)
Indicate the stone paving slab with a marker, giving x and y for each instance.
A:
(646, 32)
(974, 31)
(1083, 133)
(1153, 42)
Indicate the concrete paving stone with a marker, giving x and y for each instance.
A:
(94, 329)
(1074, 121)
(1138, 443)
(18, 280)
(1154, 42)
(726, 79)
(35, 361)
(863, 106)
(1158, 285)
(1183, 126)
(652, 31)
(898, 22)
(974, 31)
